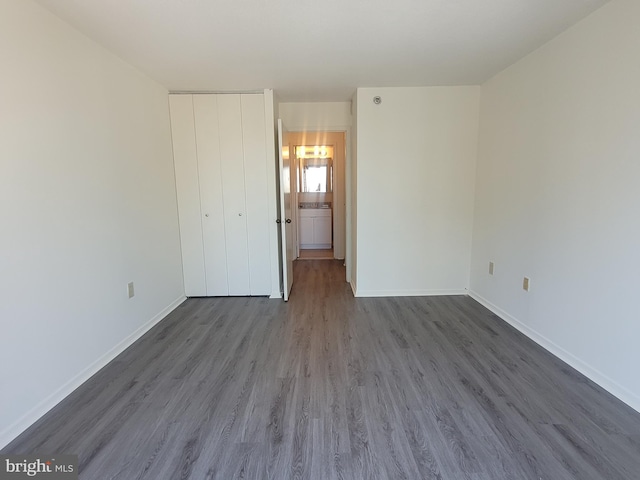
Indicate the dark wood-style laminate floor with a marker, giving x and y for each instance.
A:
(333, 387)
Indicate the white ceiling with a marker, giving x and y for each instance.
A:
(311, 50)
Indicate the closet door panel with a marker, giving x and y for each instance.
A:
(233, 193)
(187, 188)
(255, 167)
(205, 109)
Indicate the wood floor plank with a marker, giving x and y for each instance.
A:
(332, 387)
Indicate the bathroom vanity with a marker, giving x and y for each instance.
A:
(315, 226)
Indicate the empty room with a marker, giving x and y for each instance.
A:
(320, 240)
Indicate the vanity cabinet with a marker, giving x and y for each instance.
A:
(315, 228)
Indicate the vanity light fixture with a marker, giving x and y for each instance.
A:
(316, 151)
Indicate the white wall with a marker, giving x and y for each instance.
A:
(333, 116)
(415, 186)
(558, 196)
(87, 204)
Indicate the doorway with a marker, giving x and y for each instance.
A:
(318, 187)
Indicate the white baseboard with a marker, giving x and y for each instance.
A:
(408, 293)
(587, 370)
(28, 419)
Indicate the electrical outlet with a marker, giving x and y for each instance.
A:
(526, 283)
(130, 289)
(491, 266)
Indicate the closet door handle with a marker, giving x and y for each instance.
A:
(278, 221)
(288, 220)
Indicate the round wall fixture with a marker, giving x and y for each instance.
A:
(377, 100)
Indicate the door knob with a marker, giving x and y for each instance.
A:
(278, 221)
(206, 215)
(288, 220)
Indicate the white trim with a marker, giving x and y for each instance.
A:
(408, 293)
(353, 289)
(29, 418)
(587, 370)
(217, 92)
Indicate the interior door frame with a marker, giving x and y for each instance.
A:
(337, 138)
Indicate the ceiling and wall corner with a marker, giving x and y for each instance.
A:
(320, 51)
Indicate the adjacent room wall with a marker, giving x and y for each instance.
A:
(558, 195)
(332, 116)
(415, 186)
(87, 204)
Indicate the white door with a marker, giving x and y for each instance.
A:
(205, 114)
(185, 161)
(286, 198)
(233, 193)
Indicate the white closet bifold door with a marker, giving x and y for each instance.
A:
(255, 167)
(187, 188)
(220, 156)
(233, 193)
(211, 201)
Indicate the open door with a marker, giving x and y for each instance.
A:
(286, 198)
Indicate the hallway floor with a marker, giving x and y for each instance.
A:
(322, 254)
